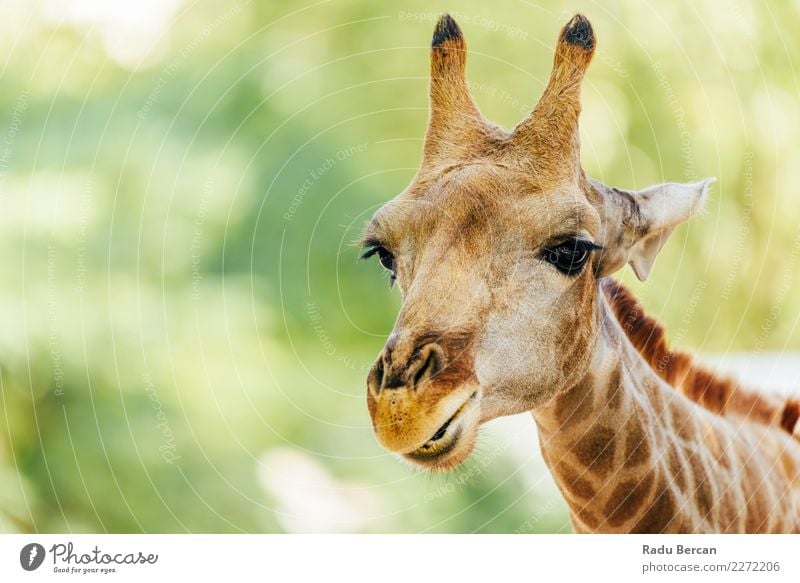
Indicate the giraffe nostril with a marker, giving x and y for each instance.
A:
(375, 378)
(388, 372)
(379, 370)
(424, 371)
(428, 363)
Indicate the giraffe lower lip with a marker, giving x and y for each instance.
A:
(445, 439)
(434, 450)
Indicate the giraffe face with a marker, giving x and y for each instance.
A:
(495, 275)
(496, 247)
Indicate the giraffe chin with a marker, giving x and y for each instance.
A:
(452, 443)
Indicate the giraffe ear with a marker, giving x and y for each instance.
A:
(638, 223)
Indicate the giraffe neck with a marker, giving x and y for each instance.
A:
(631, 454)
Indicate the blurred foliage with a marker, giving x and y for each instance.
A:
(180, 183)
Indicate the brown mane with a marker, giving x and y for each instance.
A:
(722, 395)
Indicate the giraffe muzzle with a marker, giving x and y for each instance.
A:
(424, 399)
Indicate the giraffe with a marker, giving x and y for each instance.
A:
(503, 250)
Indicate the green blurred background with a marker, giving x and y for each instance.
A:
(185, 327)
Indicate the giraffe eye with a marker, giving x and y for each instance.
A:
(570, 256)
(385, 258)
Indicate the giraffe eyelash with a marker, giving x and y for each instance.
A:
(385, 257)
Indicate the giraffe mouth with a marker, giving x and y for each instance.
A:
(452, 442)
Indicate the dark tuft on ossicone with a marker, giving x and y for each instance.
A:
(579, 32)
(446, 29)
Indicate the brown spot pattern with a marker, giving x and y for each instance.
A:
(637, 447)
(616, 391)
(677, 468)
(703, 488)
(588, 517)
(596, 450)
(626, 499)
(574, 483)
(658, 517)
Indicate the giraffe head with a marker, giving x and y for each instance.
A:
(497, 246)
